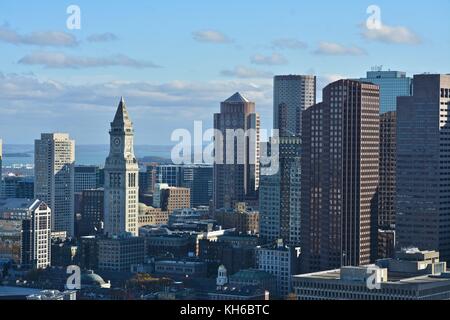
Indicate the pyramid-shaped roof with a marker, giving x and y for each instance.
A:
(122, 117)
(237, 98)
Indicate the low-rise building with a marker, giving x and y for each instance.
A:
(281, 261)
(411, 275)
(121, 253)
(151, 216)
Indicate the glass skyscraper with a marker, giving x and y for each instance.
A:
(392, 84)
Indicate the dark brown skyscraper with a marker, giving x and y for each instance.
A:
(386, 193)
(236, 170)
(340, 166)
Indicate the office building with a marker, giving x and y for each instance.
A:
(170, 198)
(411, 275)
(280, 195)
(149, 216)
(388, 159)
(291, 96)
(423, 170)
(87, 178)
(121, 177)
(236, 167)
(242, 218)
(92, 212)
(120, 254)
(392, 84)
(199, 179)
(282, 262)
(340, 167)
(54, 157)
(17, 187)
(36, 236)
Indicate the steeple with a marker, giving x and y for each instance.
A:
(122, 117)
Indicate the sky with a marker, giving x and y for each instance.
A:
(174, 61)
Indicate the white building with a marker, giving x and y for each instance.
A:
(121, 178)
(36, 236)
(54, 157)
(280, 261)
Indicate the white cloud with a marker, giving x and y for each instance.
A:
(211, 36)
(57, 60)
(289, 43)
(331, 48)
(49, 38)
(102, 37)
(246, 73)
(31, 105)
(391, 34)
(274, 59)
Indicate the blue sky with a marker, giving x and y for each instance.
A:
(174, 61)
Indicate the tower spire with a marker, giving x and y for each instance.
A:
(122, 117)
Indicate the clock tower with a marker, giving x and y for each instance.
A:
(121, 178)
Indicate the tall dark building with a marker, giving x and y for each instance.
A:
(423, 170)
(340, 164)
(386, 192)
(92, 211)
(236, 169)
(86, 178)
(198, 178)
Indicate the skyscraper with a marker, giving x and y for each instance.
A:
(423, 171)
(236, 169)
(86, 178)
(54, 157)
(36, 236)
(292, 95)
(92, 211)
(388, 154)
(340, 160)
(279, 195)
(392, 84)
(121, 178)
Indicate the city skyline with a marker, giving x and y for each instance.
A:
(79, 72)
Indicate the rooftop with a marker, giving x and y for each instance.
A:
(237, 98)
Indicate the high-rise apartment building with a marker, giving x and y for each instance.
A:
(121, 178)
(54, 159)
(340, 164)
(236, 167)
(292, 95)
(392, 84)
(423, 166)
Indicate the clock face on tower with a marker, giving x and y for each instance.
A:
(117, 141)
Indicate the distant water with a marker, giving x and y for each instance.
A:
(21, 155)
